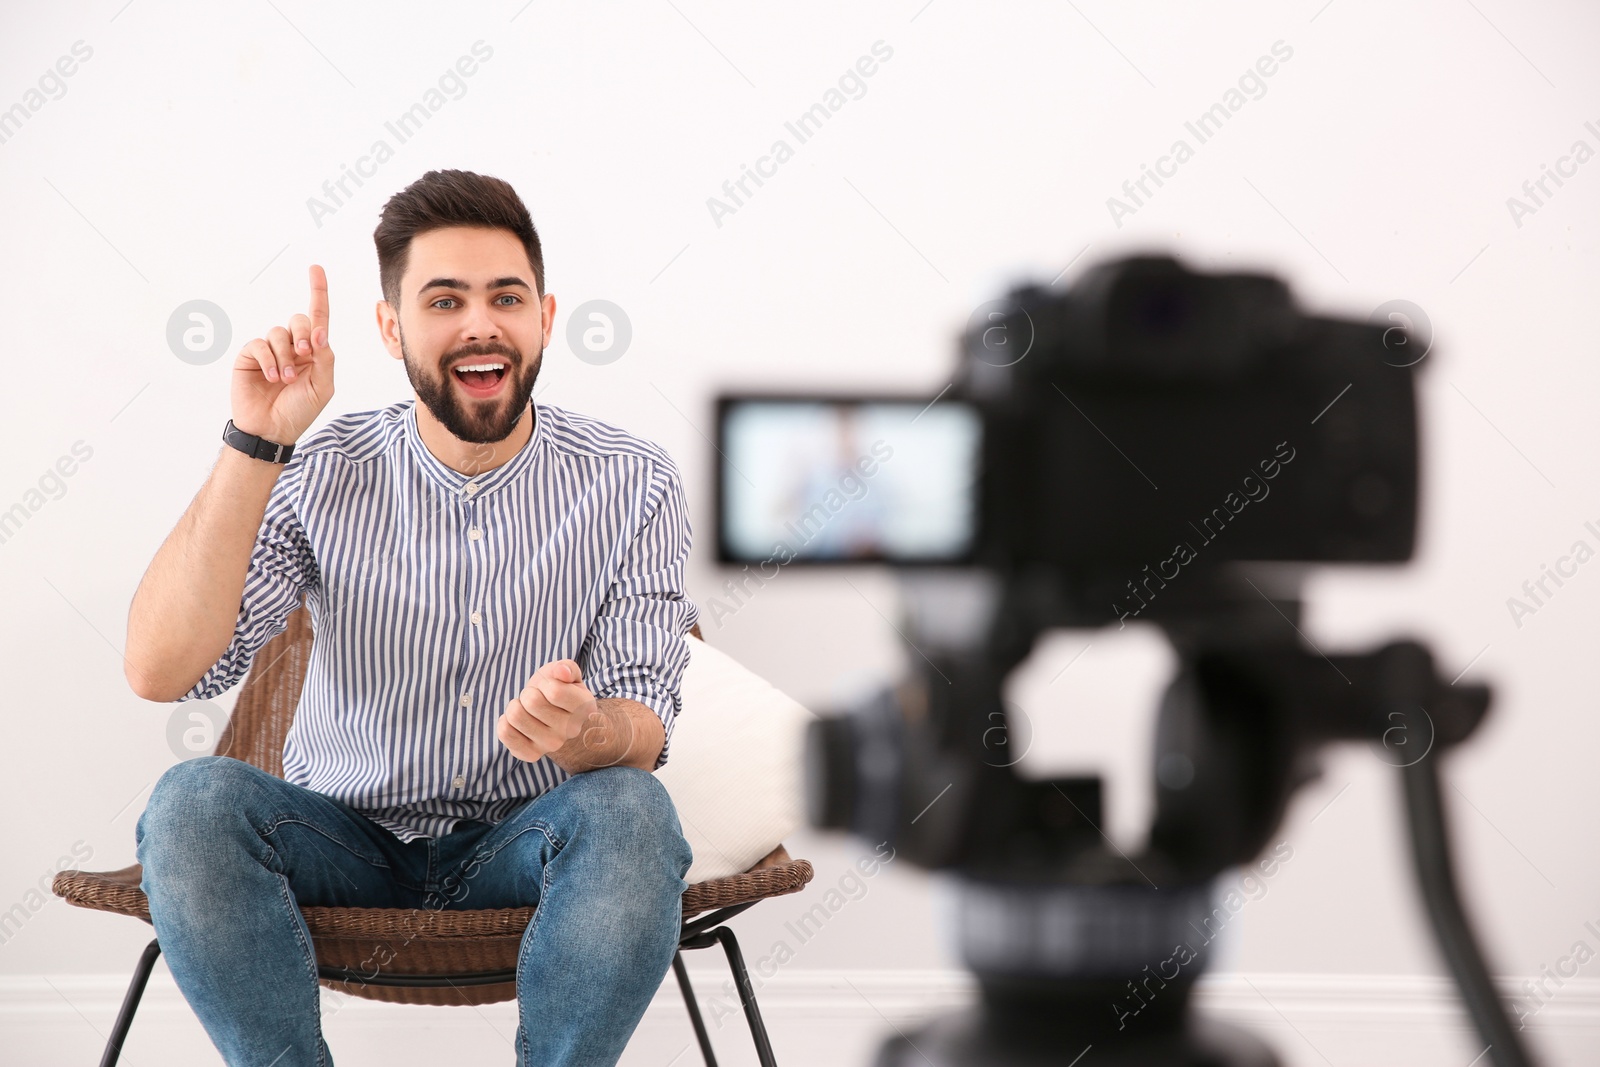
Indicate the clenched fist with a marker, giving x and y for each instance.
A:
(555, 715)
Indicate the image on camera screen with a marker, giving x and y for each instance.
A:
(836, 480)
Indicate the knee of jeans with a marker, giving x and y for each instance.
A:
(194, 795)
(630, 800)
(630, 792)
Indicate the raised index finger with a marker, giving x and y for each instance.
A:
(319, 298)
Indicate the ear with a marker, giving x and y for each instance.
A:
(389, 329)
(548, 306)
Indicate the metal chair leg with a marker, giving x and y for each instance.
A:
(130, 1004)
(741, 978)
(747, 994)
(694, 1010)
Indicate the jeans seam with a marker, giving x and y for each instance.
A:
(527, 941)
(542, 827)
(307, 952)
(276, 823)
(539, 909)
(432, 847)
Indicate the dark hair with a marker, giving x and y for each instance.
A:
(450, 198)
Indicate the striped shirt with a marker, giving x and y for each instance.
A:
(435, 595)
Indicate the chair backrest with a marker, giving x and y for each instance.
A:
(260, 721)
(261, 717)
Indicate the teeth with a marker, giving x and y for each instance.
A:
(480, 366)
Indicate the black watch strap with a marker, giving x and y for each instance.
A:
(256, 447)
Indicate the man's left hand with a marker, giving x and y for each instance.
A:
(554, 711)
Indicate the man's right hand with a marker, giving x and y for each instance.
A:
(282, 382)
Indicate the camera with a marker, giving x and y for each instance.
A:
(1085, 431)
(1151, 445)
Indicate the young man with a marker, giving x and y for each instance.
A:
(497, 593)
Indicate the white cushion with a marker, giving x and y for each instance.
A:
(733, 768)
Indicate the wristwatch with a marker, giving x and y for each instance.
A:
(256, 447)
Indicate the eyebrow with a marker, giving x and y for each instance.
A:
(507, 282)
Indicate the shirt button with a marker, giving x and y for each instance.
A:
(458, 781)
(477, 618)
(474, 533)
(470, 488)
(466, 700)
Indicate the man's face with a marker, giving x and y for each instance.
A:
(467, 299)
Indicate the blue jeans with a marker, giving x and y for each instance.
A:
(230, 852)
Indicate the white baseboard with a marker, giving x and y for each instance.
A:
(1310, 1018)
(1351, 999)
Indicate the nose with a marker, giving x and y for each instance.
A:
(479, 325)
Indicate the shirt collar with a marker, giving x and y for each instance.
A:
(476, 485)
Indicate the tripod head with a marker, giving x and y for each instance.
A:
(1238, 730)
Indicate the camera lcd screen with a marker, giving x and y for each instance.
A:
(827, 480)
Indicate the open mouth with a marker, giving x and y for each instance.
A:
(481, 378)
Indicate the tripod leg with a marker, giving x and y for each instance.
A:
(747, 995)
(130, 1004)
(694, 1010)
(1431, 858)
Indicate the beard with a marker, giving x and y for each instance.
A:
(469, 418)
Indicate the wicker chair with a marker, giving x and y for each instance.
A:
(450, 956)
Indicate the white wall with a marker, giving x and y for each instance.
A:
(178, 163)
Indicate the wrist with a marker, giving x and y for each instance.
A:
(605, 741)
(619, 736)
(248, 466)
(257, 446)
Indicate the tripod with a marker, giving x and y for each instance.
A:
(1084, 956)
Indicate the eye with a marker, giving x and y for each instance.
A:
(513, 297)
(443, 300)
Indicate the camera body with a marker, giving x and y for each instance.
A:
(1153, 414)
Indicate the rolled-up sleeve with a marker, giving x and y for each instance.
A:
(282, 569)
(636, 648)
